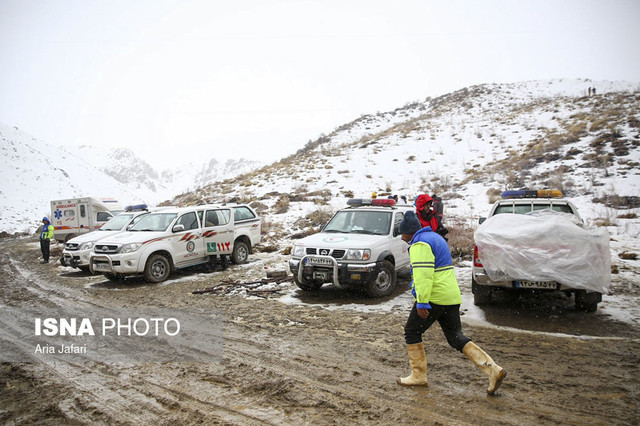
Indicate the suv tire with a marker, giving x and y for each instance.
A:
(384, 282)
(481, 293)
(311, 286)
(240, 253)
(157, 269)
(587, 302)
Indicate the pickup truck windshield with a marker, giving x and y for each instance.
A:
(529, 207)
(154, 222)
(360, 222)
(116, 223)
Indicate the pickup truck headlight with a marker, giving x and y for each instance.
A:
(86, 246)
(358, 254)
(298, 251)
(130, 248)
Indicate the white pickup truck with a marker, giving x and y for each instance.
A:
(177, 238)
(535, 241)
(359, 247)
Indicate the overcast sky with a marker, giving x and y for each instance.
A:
(178, 80)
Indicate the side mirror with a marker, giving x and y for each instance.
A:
(481, 220)
(395, 231)
(129, 227)
(178, 228)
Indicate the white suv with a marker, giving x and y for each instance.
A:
(359, 247)
(77, 250)
(177, 238)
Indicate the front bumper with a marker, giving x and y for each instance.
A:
(340, 274)
(123, 264)
(75, 258)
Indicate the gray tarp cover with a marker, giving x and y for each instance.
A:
(545, 246)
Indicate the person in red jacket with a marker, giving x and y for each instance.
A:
(425, 213)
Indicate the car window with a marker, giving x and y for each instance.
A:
(504, 208)
(242, 213)
(217, 217)
(564, 208)
(103, 216)
(188, 220)
(116, 223)
(154, 222)
(360, 222)
(398, 219)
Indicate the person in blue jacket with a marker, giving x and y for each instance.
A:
(45, 239)
(437, 298)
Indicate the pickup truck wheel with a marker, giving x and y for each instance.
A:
(157, 269)
(383, 283)
(240, 253)
(587, 302)
(312, 286)
(481, 293)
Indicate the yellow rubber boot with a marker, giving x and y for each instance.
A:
(418, 363)
(485, 363)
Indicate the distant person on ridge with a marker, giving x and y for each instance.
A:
(437, 298)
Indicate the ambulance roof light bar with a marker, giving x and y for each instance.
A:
(540, 193)
(136, 208)
(384, 202)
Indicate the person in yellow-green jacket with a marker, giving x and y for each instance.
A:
(45, 239)
(437, 298)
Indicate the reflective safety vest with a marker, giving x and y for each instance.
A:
(434, 279)
(47, 232)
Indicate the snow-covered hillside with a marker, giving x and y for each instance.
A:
(35, 172)
(468, 146)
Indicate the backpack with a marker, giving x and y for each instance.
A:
(438, 206)
(441, 229)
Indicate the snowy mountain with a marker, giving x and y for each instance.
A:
(468, 146)
(35, 172)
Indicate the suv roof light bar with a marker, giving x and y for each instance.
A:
(385, 202)
(541, 193)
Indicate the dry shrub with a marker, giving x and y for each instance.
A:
(627, 255)
(628, 216)
(282, 205)
(319, 217)
(259, 207)
(461, 241)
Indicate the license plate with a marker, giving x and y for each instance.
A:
(101, 267)
(320, 275)
(537, 284)
(321, 261)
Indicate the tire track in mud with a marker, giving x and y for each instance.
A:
(95, 395)
(305, 365)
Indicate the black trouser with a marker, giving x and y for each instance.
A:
(44, 248)
(449, 318)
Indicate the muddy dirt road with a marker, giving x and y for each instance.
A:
(316, 359)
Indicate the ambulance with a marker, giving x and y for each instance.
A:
(75, 216)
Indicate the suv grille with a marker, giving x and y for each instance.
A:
(336, 254)
(105, 248)
(71, 246)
